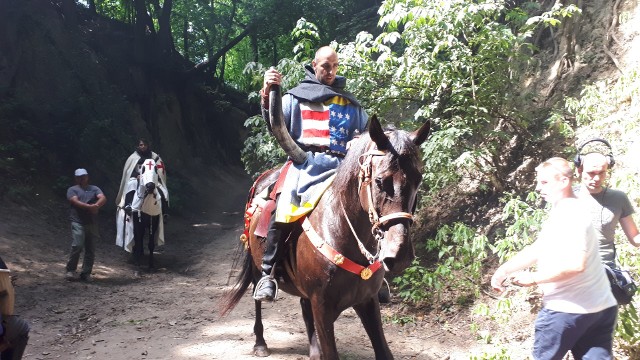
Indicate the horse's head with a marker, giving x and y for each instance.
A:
(148, 175)
(390, 171)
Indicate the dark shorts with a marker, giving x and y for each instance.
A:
(587, 336)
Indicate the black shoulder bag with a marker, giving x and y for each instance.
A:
(622, 285)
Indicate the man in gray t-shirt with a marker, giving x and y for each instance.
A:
(85, 201)
(607, 206)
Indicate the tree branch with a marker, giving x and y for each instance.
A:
(212, 61)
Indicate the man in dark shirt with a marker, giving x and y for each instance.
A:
(85, 202)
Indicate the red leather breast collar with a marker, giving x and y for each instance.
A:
(335, 257)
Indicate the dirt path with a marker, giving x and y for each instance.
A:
(172, 313)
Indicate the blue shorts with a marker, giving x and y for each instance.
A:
(587, 336)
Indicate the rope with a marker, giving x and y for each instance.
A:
(363, 249)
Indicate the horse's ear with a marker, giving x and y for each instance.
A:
(420, 135)
(377, 134)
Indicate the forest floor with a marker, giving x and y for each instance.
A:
(173, 313)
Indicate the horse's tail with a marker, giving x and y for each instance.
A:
(245, 278)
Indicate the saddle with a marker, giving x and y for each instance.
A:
(264, 201)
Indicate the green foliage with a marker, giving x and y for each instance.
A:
(261, 151)
(606, 99)
(460, 252)
(116, 9)
(558, 123)
(457, 63)
(627, 333)
(501, 312)
(500, 353)
(401, 319)
(525, 219)
(417, 284)
(306, 38)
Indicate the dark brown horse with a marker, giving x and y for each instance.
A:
(360, 228)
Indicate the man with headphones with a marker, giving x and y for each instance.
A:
(607, 206)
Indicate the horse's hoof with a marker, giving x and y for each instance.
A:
(261, 351)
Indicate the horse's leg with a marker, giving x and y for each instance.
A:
(260, 349)
(153, 233)
(307, 315)
(138, 238)
(323, 319)
(369, 313)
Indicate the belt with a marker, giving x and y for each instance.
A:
(323, 149)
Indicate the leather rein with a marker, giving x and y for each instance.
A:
(377, 224)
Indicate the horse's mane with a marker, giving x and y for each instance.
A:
(402, 150)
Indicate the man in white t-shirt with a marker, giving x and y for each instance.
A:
(579, 311)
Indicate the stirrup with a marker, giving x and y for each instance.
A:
(261, 283)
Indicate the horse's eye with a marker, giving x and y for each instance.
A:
(385, 184)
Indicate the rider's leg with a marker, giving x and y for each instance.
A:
(138, 237)
(164, 205)
(128, 199)
(266, 291)
(155, 221)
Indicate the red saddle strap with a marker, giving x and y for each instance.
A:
(263, 225)
(278, 186)
(337, 258)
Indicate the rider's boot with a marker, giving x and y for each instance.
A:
(266, 288)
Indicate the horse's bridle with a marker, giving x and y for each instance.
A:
(364, 179)
(377, 221)
(377, 225)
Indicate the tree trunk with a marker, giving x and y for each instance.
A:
(143, 31)
(567, 44)
(185, 38)
(165, 38)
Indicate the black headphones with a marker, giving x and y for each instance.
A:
(577, 161)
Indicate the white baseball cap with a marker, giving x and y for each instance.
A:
(80, 172)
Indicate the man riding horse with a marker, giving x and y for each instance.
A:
(137, 162)
(131, 167)
(322, 118)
